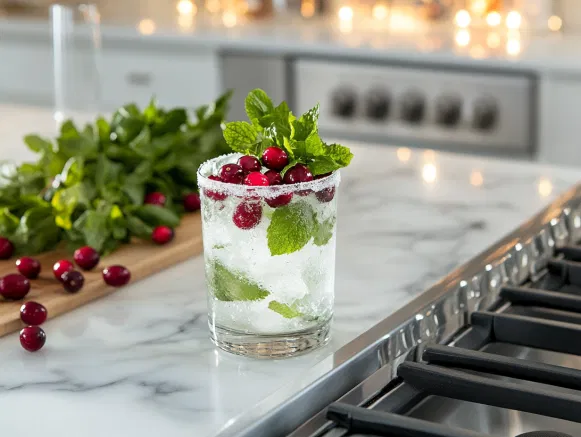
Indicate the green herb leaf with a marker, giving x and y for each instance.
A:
(287, 311)
(277, 124)
(322, 165)
(73, 171)
(93, 226)
(157, 215)
(104, 129)
(36, 232)
(65, 201)
(257, 105)
(306, 124)
(138, 227)
(241, 136)
(229, 285)
(290, 228)
(37, 144)
(340, 154)
(323, 231)
(106, 171)
(141, 144)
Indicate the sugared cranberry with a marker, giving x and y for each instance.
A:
(247, 215)
(191, 202)
(116, 276)
(231, 174)
(249, 164)
(73, 281)
(215, 195)
(14, 286)
(326, 194)
(298, 173)
(274, 158)
(155, 198)
(6, 248)
(86, 257)
(28, 267)
(162, 235)
(32, 338)
(281, 200)
(62, 266)
(256, 179)
(33, 313)
(274, 177)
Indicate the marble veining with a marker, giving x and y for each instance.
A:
(139, 362)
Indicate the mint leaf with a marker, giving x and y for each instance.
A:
(288, 312)
(314, 145)
(37, 144)
(229, 285)
(290, 228)
(155, 215)
(306, 124)
(241, 136)
(257, 105)
(340, 154)
(322, 165)
(278, 124)
(323, 231)
(73, 171)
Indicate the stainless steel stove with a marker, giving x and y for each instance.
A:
(493, 349)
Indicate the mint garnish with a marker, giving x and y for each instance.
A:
(242, 137)
(231, 285)
(288, 312)
(323, 232)
(290, 228)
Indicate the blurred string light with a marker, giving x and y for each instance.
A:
(229, 18)
(462, 38)
(478, 7)
(463, 18)
(493, 19)
(307, 8)
(545, 187)
(186, 7)
(146, 26)
(213, 6)
(493, 40)
(380, 11)
(345, 13)
(403, 154)
(513, 20)
(429, 173)
(476, 178)
(555, 23)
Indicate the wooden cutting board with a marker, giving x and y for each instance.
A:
(141, 258)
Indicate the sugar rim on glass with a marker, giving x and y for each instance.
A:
(213, 166)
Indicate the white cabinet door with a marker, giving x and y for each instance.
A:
(187, 78)
(559, 120)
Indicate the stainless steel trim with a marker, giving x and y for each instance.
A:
(435, 316)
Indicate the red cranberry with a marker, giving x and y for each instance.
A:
(6, 248)
(32, 338)
(247, 215)
(274, 177)
(191, 202)
(14, 286)
(62, 266)
(33, 313)
(326, 194)
(215, 195)
(231, 174)
(275, 158)
(155, 198)
(162, 235)
(256, 179)
(28, 267)
(281, 200)
(298, 173)
(73, 281)
(116, 276)
(86, 257)
(249, 163)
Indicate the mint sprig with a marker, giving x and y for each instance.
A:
(277, 125)
(227, 285)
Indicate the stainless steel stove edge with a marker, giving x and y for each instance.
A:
(434, 316)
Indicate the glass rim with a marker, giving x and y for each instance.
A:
(206, 168)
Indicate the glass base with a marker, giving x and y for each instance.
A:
(270, 346)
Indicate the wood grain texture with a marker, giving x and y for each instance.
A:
(141, 258)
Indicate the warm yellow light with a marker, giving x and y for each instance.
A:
(379, 11)
(478, 7)
(462, 38)
(477, 52)
(146, 26)
(399, 20)
(545, 187)
(185, 7)
(186, 22)
(476, 178)
(229, 19)
(555, 23)
(345, 13)
(513, 20)
(307, 8)
(493, 19)
(429, 173)
(403, 154)
(462, 18)
(513, 46)
(213, 6)
(493, 40)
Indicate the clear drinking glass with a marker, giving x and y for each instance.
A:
(76, 39)
(270, 262)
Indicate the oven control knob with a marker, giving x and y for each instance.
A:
(485, 114)
(413, 107)
(377, 104)
(344, 103)
(448, 110)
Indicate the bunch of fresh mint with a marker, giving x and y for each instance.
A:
(277, 126)
(88, 186)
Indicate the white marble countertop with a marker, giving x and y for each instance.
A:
(158, 22)
(139, 362)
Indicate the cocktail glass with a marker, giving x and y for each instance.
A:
(270, 262)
